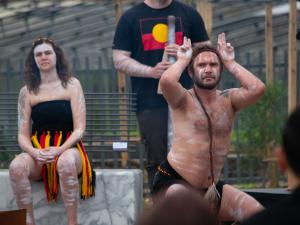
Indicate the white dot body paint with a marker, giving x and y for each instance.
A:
(233, 68)
(29, 218)
(125, 63)
(81, 110)
(238, 213)
(71, 191)
(68, 179)
(253, 87)
(44, 49)
(19, 177)
(21, 104)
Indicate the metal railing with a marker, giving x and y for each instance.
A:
(111, 139)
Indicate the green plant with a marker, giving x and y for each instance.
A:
(259, 128)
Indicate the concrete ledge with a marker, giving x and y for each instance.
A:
(118, 200)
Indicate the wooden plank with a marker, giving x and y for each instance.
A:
(292, 67)
(204, 7)
(269, 43)
(122, 88)
(13, 217)
(269, 159)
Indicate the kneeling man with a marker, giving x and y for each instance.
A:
(202, 122)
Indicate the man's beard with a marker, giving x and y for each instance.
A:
(201, 85)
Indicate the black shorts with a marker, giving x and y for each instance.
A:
(166, 176)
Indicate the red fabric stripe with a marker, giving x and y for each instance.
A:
(44, 175)
(42, 140)
(56, 136)
(86, 160)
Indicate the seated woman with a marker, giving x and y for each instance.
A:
(51, 123)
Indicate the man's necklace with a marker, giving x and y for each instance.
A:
(210, 132)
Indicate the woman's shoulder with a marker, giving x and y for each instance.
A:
(24, 92)
(23, 89)
(74, 82)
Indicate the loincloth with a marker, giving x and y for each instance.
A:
(166, 176)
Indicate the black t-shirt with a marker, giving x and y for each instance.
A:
(142, 31)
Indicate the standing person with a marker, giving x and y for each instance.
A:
(288, 155)
(202, 120)
(52, 148)
(138, 47)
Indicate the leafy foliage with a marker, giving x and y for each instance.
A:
(258, 130)
(260, 125)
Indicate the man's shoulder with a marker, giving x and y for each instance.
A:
(134, 9)
(184, 6)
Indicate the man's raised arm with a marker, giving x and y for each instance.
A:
(172, 90)
(251, 88)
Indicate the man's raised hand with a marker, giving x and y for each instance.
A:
(225, 49)
(185, 50)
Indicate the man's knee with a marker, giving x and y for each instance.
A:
(175, 189)
(237, 205)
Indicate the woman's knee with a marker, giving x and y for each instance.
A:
(66, 163)
(18, 168)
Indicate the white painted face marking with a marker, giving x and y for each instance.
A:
(206, 69)
(44, 56)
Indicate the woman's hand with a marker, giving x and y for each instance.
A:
(47, 155)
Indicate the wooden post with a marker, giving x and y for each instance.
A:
(292, 73)
(122, 88)
(269, 43)
(270, 160)
(204, 7)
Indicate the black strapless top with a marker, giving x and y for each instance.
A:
(55, 115)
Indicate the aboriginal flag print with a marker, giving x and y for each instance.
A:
(155, 32)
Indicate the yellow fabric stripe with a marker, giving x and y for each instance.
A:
(59, 139)
(90, 178)
(35, 141)
(84, 184)
(55, 163)
(49, 166)
(88, 173)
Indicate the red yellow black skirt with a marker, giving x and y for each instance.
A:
(49, 172)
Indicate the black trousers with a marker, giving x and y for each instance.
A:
(153, 125)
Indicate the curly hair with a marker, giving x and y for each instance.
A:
(204, 48)
(32, 72)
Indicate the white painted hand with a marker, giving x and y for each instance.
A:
(225, 49)
(185, 50)
(48, 155)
